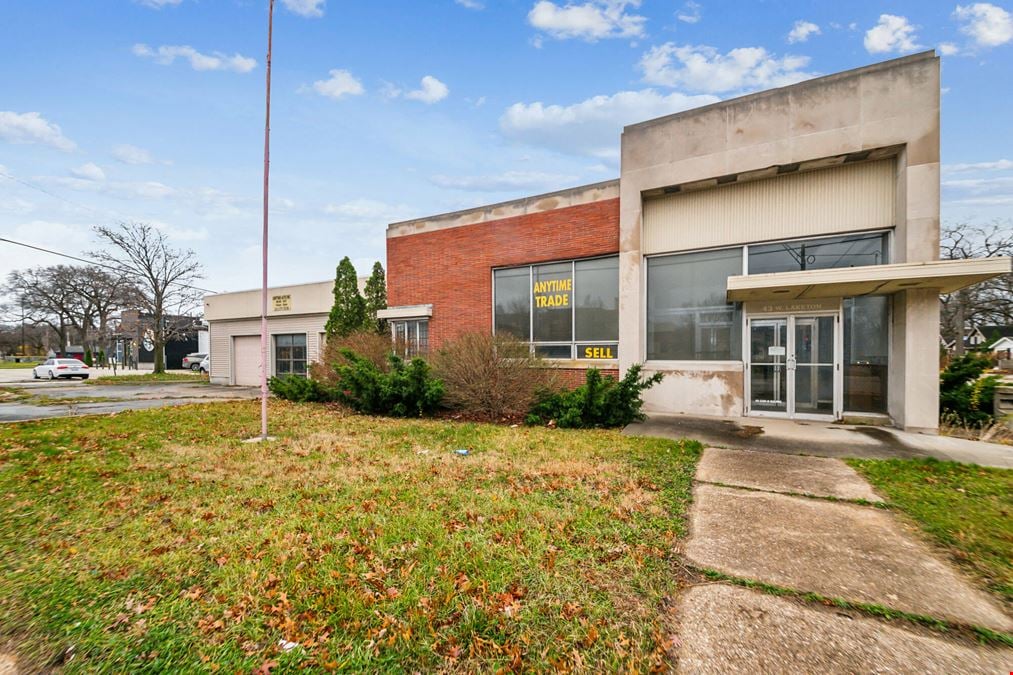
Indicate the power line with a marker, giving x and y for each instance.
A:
(94, 262)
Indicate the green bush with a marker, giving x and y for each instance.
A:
(300, 389)
(87, 358)
(405, 390)
(599, 402)
(964, 395)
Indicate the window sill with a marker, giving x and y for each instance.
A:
(729, 366)
(577, 364)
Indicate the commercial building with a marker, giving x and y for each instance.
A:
(296, 317)
(773, 255)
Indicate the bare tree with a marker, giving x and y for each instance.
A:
(101, 294)
(47, 297)
(164, 277)
(990, 302)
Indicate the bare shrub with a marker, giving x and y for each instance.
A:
(373, 346)
(491, 376)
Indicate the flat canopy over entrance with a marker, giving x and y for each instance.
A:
(944, 276)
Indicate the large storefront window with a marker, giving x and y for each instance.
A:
(853, 250)
(565, 310)
(290, 354)
(866, 353)
(688, 317)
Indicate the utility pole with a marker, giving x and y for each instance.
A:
(263, 289)
(23, 350)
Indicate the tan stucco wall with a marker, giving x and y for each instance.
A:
(311, 298)
(895, 103)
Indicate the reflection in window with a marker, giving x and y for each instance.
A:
(552, 292)
(597, 299)
(290, 354)
(853, 250)
(688, 316)
(513, 302)
(411, 337)
(554, 305)
(866, 353)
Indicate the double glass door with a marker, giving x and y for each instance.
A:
(792, 365)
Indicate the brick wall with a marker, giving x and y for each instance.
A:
(452, 268)
(571, 378)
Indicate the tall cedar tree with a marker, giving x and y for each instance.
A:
(376, 298)
(349, 311)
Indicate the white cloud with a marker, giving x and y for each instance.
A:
(359, 210)
(508, 180)
(158, 4)
(690, 12)
(167, 54)
(591, 127)
(892, 34)
(71, 237)
(980, 185)
(89, 171)
(802, 30)
(31, 127)
(132, 154)
(16, 205)
(311, 9)
(341, 83)
(704, 69)
(430, 91)
(987, 24)
(470, 4)
(592, 20)
(997, 165)
(948, 49)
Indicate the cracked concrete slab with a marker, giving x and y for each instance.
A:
(818, 476)
(858, 553)
(726, 629)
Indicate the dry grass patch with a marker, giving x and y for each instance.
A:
(157, 541)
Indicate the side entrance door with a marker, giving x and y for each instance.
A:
(794, 365)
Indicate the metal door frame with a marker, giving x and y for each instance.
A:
(838, 384)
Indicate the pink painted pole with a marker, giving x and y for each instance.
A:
(263, 287)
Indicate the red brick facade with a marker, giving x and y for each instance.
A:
(451, 268)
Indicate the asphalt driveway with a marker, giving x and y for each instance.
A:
(44, 400)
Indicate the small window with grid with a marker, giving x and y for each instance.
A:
(290, 354)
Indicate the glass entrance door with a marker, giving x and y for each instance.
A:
(768, 340)
(792, 365)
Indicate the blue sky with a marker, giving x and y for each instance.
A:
(153, 109)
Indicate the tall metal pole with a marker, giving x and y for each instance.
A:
(263, 288)
(24, 351)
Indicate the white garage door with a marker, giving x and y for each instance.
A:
(246, 360)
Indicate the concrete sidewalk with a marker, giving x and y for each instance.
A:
(749, 520)
(822, 439)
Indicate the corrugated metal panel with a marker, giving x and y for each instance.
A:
(840, 199)
(223, 332)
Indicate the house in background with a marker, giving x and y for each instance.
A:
(993, 338)
(134, 346)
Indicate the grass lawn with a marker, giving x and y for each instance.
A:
(140, 378)
(157, 541)
(967, 509)
(10, 365)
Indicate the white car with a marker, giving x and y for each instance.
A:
(54, 368)
(205, 365)
(192, 361)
